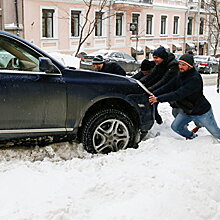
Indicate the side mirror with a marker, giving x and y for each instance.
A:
(45, 65)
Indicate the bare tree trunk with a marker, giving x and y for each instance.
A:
(90, 23)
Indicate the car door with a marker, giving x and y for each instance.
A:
(30, 101)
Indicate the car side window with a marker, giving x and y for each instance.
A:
(16, 56)
(117, 55)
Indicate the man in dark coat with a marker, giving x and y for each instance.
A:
(186, 90)
(166, 69)
(100, 65)
(146, 68)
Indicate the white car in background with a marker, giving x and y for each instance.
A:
(206, 64)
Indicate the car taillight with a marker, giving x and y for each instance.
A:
(82, 59)
(204, 64)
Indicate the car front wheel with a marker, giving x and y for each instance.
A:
(107, 131)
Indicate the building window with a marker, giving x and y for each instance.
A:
(135, 20)
(201, 26)
(48, 23)
(119, 21)
(202, 4)
(75, 23)
(149, 24)
(175, 25)
(163, 24)
(99, 25)
(189, 28)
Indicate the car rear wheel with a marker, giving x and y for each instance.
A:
(108, 131)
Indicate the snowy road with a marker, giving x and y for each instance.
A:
(166, 178)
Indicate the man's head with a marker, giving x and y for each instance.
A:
(146, 66)
(159, 55)
(97, 63)
(186, 62)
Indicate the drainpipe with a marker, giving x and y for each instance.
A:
(22, 14)
(198, 26)
(110, 26)
(185, 28)
(16, 15)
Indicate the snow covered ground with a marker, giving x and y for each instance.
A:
(166, 178)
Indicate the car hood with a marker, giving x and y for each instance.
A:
(99, 78)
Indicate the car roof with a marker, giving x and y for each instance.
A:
(104, 52)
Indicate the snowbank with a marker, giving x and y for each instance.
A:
(66, 60)
(166, 178)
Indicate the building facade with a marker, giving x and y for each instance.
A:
(134, 26)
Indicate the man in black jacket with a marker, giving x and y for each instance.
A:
(146, 68)
(100, 65)
(166, 69)
(186, 90)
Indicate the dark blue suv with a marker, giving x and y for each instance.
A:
(43, 100)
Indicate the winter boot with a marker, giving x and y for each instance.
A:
(194, 130)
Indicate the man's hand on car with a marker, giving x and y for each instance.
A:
(152, 99)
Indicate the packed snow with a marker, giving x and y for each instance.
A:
(166, 178)
(66, 60)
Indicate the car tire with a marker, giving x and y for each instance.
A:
(108, 131)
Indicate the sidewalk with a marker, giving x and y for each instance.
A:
(209, 79)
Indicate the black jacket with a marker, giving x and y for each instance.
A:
(138, 75)
(162, 73)
(186, 91)
(113, 68)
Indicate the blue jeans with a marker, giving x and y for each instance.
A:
(207, 120)
(175, 112)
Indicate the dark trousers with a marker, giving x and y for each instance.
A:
(157, 116)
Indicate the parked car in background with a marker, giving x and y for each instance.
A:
(206, 64)
(127, 62)
(43, 101)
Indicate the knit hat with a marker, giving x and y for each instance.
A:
(98, 60)
(160, 52)
(147, 65)
(187, 59)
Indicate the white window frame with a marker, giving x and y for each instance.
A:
(123, 23)
(187, 26)
(166, 33)
(55, 22)
(153, 21)
(103, 25)
(178, 28)
(203, 26)
(81, 20)
(136, 13)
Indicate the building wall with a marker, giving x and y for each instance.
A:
(9, 18)
(63, 42)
